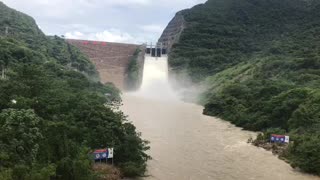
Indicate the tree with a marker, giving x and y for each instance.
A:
(19, 140)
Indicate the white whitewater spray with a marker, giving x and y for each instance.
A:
(155, 84)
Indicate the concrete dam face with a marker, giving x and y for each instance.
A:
(110, 59)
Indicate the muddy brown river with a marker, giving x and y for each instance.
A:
(186, 145)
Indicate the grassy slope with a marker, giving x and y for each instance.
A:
(260, 61)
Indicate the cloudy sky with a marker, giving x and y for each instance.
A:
(130, 21)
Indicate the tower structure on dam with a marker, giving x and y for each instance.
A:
(155, 49)
(111, 59)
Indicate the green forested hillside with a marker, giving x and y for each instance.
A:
(260, 60)
(53, 111)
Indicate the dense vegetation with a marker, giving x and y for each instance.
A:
(53, 112)
(260, 61)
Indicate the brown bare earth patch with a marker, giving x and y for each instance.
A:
(106, 172)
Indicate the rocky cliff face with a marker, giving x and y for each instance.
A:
(172, 32)
(110, 59)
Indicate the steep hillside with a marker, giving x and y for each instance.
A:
(223, 33)
(18, 24)
(260, 60)
(53, 112)
(172, 32)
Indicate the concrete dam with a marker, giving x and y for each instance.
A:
(111, 59)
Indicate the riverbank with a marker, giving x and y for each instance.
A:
(106, 172)
(276, 149)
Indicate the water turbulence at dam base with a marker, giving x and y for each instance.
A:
(188, 145)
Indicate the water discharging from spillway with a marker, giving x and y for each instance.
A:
(187, 145)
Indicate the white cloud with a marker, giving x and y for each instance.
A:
(112, 35)
(153, 28)
(73, 35)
